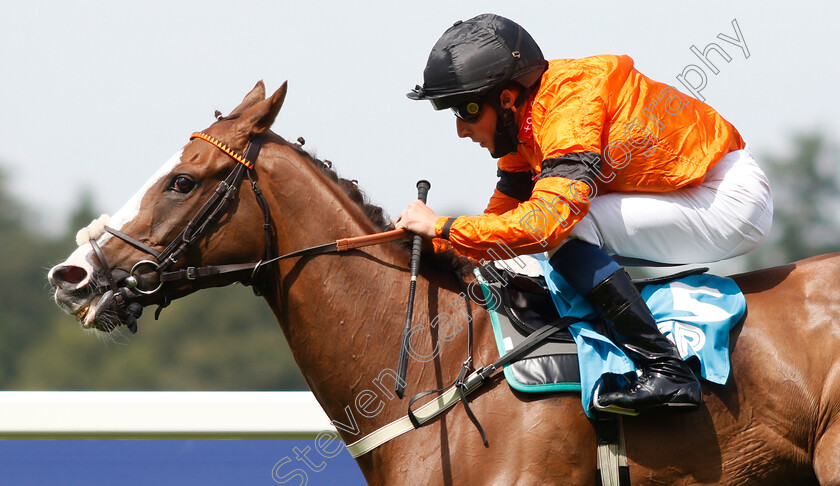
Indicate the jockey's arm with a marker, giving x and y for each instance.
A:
(535, 225)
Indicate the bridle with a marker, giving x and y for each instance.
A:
(123, 298)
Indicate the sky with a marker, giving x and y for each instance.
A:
(96, 95)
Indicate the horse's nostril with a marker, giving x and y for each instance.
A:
(71, 275)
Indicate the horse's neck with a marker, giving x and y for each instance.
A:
(342, 314)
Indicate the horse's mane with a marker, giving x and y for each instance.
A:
(447, 260)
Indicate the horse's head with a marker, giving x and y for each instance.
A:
(187, 220)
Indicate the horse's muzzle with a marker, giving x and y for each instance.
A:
(78, 292)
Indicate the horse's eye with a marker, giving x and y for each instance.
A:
(183, 184)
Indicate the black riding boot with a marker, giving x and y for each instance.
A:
(666, 381)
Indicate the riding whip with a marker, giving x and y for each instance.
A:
(402, 365)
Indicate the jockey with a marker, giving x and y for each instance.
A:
(597, 164)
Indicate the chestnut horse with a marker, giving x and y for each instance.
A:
(777, 421)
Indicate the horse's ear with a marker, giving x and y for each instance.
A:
(256, 95)
(258, 118)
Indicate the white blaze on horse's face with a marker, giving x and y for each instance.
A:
(78, 269)
(130, 210)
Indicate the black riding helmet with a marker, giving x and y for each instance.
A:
(475, 57)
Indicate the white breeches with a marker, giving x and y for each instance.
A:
(727, 215)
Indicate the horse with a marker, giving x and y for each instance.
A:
(776, 421)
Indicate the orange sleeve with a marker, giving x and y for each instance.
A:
(533, 226)
(568, 115)
(500, 203)
(514, 186)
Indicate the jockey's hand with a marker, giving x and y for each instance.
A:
(418, 218)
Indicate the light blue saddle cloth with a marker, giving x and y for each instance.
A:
(695, 312)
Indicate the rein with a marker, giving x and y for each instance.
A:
(344, 244)
(216, 205)
(121, 297)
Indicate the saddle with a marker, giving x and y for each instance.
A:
(520, 305)
(525, 301)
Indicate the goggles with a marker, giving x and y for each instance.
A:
(469, 111)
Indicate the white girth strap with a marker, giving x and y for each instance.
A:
(423, 414)
(612, 459)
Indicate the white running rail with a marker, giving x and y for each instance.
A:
(150, 415)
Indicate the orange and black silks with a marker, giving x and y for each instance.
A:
(595, 125)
